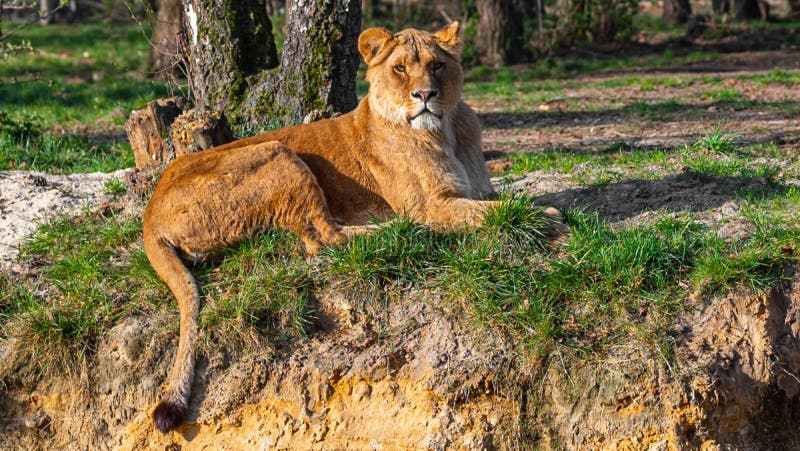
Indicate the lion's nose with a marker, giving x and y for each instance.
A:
(424, 94)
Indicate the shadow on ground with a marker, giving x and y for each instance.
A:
(689, 191)
(654, 111)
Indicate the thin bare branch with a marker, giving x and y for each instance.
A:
(31, 22)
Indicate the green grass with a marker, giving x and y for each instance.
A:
(720, 95)
(600, 287)
(79, 74)
(758, 262)
(569, 67)
(85, 79)
(566, 161)
(115, 186)
(776, 76)
(716, 154)
(81, 290)
(63, 153)
(654, 110)
(69, 48)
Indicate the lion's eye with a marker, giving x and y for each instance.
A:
(400, 68)
(438, 65)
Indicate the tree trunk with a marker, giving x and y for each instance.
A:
(794, 9)
(320, 58)
(229, 40)
(743, 9)
(676, 11)
(489, 40)
(751, 9)
(366, 8)
(46, 7)
(720, 6)
(165, 59)
(501, 33)
(232, 49)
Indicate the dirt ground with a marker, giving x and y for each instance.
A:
(592, 118)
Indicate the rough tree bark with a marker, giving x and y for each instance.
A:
(149, 131)
(676, 11)
(165, 54)
(232, 50)
(501, 34)
(320, 57)
(229, 40)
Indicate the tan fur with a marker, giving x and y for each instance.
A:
(379, 160)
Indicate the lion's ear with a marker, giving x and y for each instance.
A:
(372, 41)
(449, 37)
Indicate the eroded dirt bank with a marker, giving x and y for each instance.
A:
(415, 377)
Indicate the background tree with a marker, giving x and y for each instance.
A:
(676, 11)
(794, 8)
(742, 9)
(501, 35)
(165, 58)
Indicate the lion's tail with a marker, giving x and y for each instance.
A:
(173, 408)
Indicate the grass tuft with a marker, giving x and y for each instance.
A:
(398, 251)
(716, 142)
(518, 223)
(115, 186)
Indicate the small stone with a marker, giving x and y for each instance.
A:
(361, 390)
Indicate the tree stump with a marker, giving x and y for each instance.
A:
(165, 129)
(149, 129)
(195, 130)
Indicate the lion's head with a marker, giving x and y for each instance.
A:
(415, 77)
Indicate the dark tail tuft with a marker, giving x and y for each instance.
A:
(169, 415)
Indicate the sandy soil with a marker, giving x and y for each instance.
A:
(30, 198)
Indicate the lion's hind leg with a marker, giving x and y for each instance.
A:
(303, 209)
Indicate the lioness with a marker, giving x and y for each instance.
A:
(410, 147)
